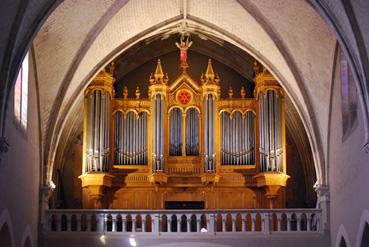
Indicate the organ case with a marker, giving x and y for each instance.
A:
(184, 143)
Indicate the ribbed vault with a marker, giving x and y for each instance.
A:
(289, 38)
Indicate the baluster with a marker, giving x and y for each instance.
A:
(243, 222)
(133, 223)
(253, 222)
(78, 221)
(308, 225)
(234, 220)
(100, 218)
(155, 222)
(298, 221)
(124, 223)
(263, 222)
(143, 224)
(288, 222)
(211, 225)
(88, 222)
(318, 223)
(188, 223)
(198, 223)
(169, 221)
(279, 222)
(224, 220)
(69, 222)
(178, 224)
(113, 222)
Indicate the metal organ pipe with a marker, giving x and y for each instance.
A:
(271, 132)
(97, 128)
(209, 133)
(175, 132)
(192, 144)
(262, 132)
(130, 139)
(89, 137)
(158, 141)
(237, 147)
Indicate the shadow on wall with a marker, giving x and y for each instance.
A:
(5, 238)
(343, 243)
(365, 238)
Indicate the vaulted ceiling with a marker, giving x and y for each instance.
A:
(289, 38)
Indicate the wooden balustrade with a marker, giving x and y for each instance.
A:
(186, 221)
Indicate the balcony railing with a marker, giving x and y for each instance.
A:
(161, 222)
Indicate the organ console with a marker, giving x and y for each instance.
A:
(184, 143)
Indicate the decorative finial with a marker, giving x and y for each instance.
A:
(158, 77)
(243, 92)
(125, 92)
(209, 71)
(138, 93)
(230, 92)
(210, 77)
(158, 71)
(183, 46)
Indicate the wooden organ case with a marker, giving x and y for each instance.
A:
(184, 143)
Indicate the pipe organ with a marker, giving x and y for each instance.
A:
(130, 138)
(184, 142)
(192, 132)
(237, 138)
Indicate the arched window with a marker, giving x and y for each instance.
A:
(348, 95)
(21, 94)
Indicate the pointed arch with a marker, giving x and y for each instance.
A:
(342, 238)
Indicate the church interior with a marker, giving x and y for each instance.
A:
(189, 123)
(136, 175)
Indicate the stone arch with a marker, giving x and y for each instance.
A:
(27, 240)
(351, 41)
(342, 238)
(313, 132)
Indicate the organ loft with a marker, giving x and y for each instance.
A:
(184, 146)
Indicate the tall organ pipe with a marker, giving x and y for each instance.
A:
(158, 126)
(271, 132)
(97, 131)
(209, 133)
(192, 144)
(175, 147)
(237, 146)
(130, 139)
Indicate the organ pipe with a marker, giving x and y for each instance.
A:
(237, 144)
(192, 132)
(209, 133)
(175, 145)
(158, 131)
(97, 131)
(270, 108)
(130, 139)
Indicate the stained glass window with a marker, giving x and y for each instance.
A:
(21, 94)
(348, 95)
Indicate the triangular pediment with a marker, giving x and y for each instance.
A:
(184, 81)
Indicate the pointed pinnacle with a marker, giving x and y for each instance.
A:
(209, 70)
(158, 71)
